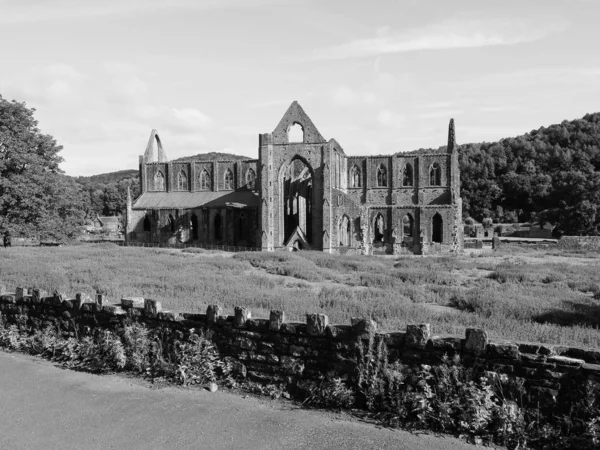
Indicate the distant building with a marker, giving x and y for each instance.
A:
(302, 192)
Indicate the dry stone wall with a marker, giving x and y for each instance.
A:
(275, 350)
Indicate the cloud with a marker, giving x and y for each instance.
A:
(28, 12)
(190, 118)
(449, 34)
(390, 119)
(448, 113)
(345, 96)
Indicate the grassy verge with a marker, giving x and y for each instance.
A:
(534, 294)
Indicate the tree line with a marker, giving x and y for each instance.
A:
(550, 175)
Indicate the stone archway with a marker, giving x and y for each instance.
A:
(296, 184)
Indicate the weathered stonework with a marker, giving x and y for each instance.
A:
(275, 351)
(302, 193)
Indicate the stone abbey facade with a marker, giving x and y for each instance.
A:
(302, 192)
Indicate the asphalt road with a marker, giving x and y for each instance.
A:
(46, 407)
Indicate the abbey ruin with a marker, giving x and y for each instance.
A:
(303, 192)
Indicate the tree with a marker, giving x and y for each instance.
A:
(36, 199)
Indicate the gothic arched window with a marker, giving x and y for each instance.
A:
(435, 175)
(159, 181)
(182, 183)
(407, 175)
(355, 177)
(344, 231)
(204, 180)
(251, 179)
(295, 133)
(379, 229)
(228, 180)
(408, 225)
(147, 224)
(381, 176)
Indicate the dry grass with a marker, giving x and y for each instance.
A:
(537, 294)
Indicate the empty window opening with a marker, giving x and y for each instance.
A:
(228, 180)
(379, 231)
(251, 179)
(159, 181)
(344, 232)
(147, 224)
(182, 183)
(218, 231)
(407, 175)
(295, 133)
(381, 176)
(355, 181)
(194, 226)
(204, 180)
(437, 225)
(408, 225)
(435, 175)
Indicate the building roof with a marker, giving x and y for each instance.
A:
(189, 200)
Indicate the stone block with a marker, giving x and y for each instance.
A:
(213, 312)
(276, 319)
(101, 300)
(240, 316)
(132, 302)
(339, 331)
(90, 307)
(588, 355)
(194, 317)
(72, 304)
(272, 359)
(316, 324)
(169, 316)
(417, 335)
(84, 298)
(59, 297)
(37, 295)
(363, 325)
(244, 343)
(529, 348)
(291, 366)
(8, 298)
(476, 341)
(503, 350)
(114, 310)
(288, 328)
(2, 288)
(444, 344)
(20, 292)
(395, 339)
(152, 307)
(296, 350)
(565, 361)
(236, 367)
(258, 324)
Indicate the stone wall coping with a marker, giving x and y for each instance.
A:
(316, 326)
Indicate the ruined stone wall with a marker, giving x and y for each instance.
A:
(277, 351)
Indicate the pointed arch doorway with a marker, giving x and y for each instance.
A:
(296, 181)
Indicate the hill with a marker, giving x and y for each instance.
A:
(212, 156)
(549, 174)
(108, 178)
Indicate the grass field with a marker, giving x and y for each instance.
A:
(517, 293)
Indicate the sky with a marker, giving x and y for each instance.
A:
(379, 76)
